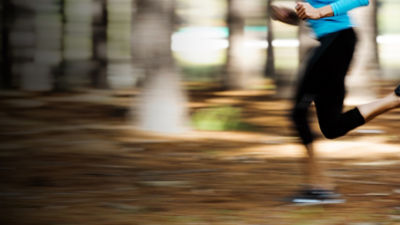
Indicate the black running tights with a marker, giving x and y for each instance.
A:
(323, 83)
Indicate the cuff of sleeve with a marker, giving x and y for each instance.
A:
(335, 9)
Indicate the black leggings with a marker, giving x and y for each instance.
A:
(323, 83)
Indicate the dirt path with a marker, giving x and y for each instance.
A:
(73, 159)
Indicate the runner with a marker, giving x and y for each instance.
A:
(323, 82)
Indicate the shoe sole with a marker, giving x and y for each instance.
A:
(317, 202)
(397, 91)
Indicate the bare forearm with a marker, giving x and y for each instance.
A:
(306, 11)
(325, 11)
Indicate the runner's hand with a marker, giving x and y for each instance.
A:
(306, 11)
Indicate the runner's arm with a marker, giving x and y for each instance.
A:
(341, 7)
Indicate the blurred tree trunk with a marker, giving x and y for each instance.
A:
(161, 106)
(365, 67)
(270, 65)
(306, 42)
(60, 83)
(235, 74)
(99, 40)
(367, 57)
(286, 83)
(6, 57)
(37, 74)
(23, 43)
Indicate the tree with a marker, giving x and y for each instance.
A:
(99, 49)
(6, 57)
(59, 73)
(235, 75)
(367, 57)
(365, 66)
(306, 42)
(270, 65)
(161, 105)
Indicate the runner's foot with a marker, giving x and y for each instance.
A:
(317, 196)
(397, 91)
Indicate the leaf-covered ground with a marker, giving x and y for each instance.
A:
(75, 159)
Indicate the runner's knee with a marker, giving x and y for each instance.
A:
(298, 115)
(332, 132)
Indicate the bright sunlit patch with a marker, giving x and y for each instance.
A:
(195, 47)
(204, 32)
(256, 44)
(200, 39)
(377, 163)
(370, 131)
(368, 148)
(358, 100)
(207, 45)
(199, 58)
(286, 43)
(195, 44)
(261, 44)
(388, 39)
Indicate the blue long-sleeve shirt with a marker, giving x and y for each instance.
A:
(339, 21)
